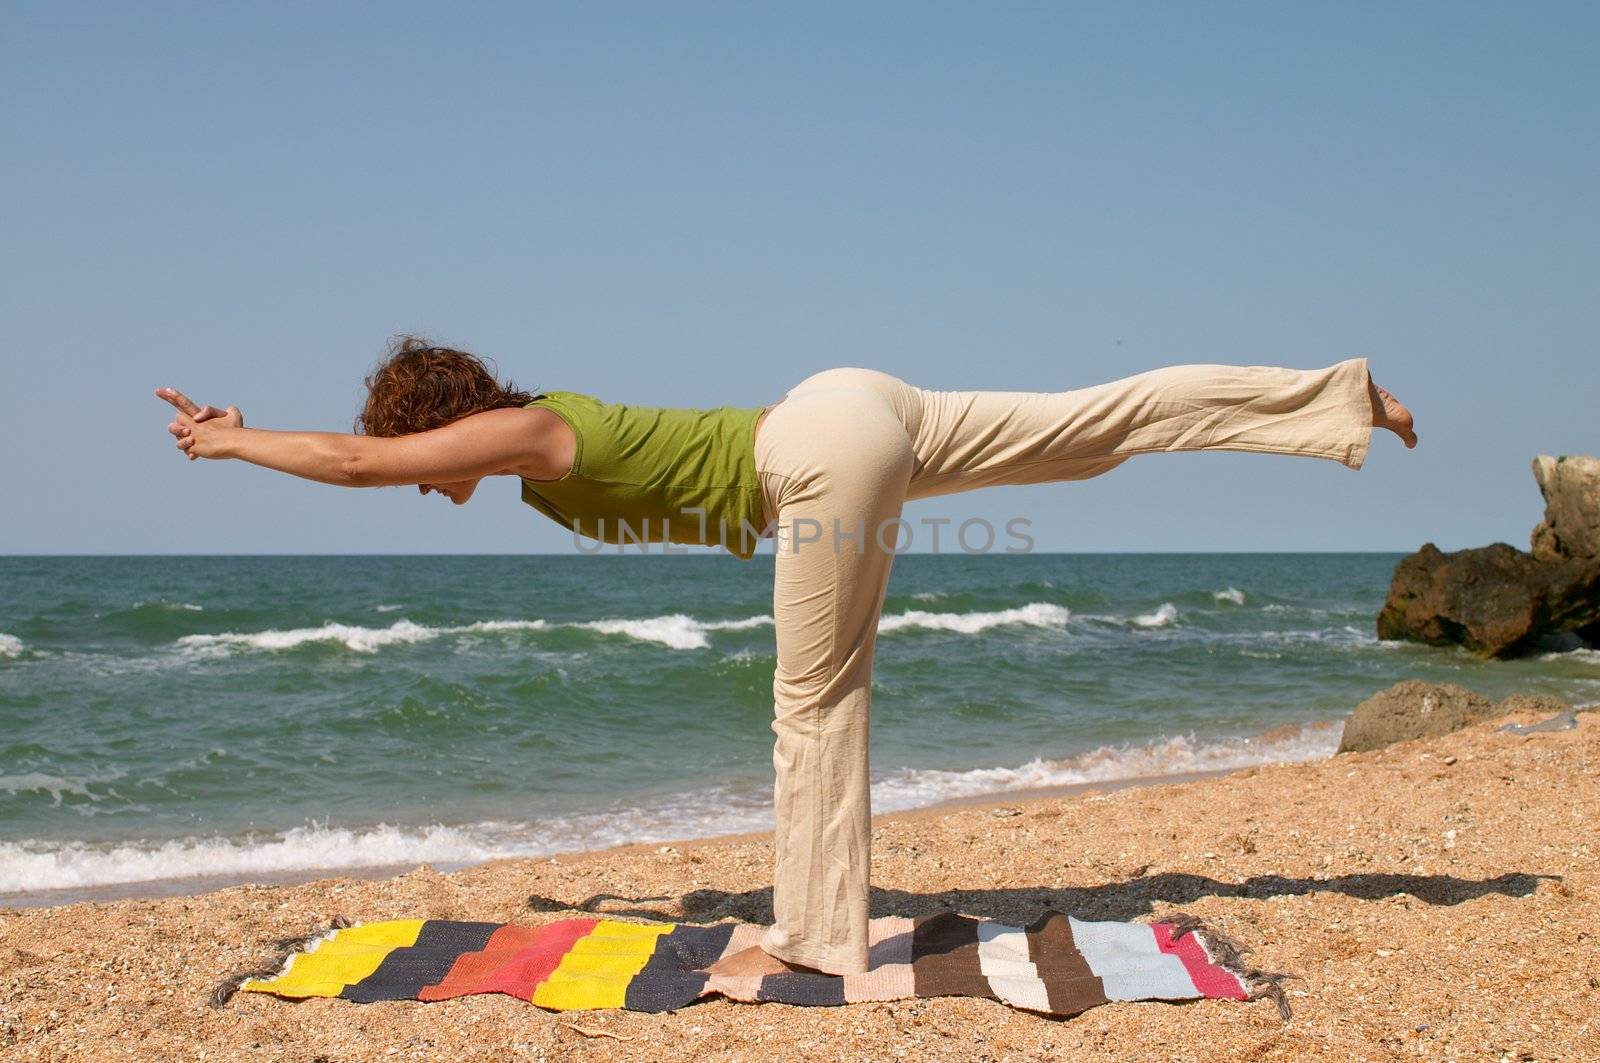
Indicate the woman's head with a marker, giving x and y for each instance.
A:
(419, 387)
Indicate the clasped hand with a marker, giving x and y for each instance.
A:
(199, 430)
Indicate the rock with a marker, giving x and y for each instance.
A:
(1495, 600)
(1571, 525)
(1417, 709)
(1412, 709)
(1538, 704)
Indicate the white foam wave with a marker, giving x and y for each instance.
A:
(683, 632)
(680, 631)
(1580, 655)
(1162, 617)
(387, 608)
(738, 625)
(912, 788)
(1232, 594)
(494, 626)
(1301, 610)
(39, 782)
(1165, 615)
(1034, 614)
(34, 865)
(1344, 638)
(360, 639)
(10, 645)
(677, 631)
(172, 607)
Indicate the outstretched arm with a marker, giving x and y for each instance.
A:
(518, 441)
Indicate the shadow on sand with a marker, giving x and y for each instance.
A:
(1020, 905)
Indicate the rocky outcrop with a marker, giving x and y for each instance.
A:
(1498, 601)
(1495, 600)
(1571, 525)
(1538, 704)
(1415, 709)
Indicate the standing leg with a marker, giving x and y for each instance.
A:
(834, 463)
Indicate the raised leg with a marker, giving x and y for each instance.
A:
(968, 439)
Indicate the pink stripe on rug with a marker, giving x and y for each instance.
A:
(1209, 979)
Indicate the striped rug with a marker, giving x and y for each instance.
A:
(1057, 965)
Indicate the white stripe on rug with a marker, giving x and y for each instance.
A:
(1130, 964)
(1003, 960)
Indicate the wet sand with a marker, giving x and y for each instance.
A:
(1438, 900)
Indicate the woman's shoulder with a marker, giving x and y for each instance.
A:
(554, 398)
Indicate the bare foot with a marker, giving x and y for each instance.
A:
(1388, 412)
(755, 962)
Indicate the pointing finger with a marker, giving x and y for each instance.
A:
(178, 399)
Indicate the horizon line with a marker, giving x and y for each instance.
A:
(706, 555)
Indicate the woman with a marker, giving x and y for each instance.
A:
(827, 468)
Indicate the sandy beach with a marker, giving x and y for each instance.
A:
(1437, 900)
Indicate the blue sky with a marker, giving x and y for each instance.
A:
(699, 205)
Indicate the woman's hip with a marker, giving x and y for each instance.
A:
(836, 441)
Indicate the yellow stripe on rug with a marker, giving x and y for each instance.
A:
(596, 971)
(342, 958)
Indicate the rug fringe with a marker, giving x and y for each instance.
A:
(284, 951)
(1229, 954)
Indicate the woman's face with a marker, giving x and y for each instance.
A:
(457, 491)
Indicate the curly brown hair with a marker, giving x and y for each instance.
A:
(419, 386)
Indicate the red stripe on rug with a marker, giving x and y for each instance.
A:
(515, 960)
(1208, 978)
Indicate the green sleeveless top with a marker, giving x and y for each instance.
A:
(641, 474)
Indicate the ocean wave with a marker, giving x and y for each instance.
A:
(36, 865)
(913, 788)
(1034, 614)
(1232, 594)
(29, 866)
(10, 645)
(1576, 655)
(492, 626)
(680, 631)
(1347, 637)
(60, 788)
(359, 639)
(39, 782)
(1302, 610)
(1165, 615)
(1162, 617)
(171, 607)
(677, 631)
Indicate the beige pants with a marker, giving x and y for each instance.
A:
(837, 458)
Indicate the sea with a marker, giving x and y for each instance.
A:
(173, 721)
